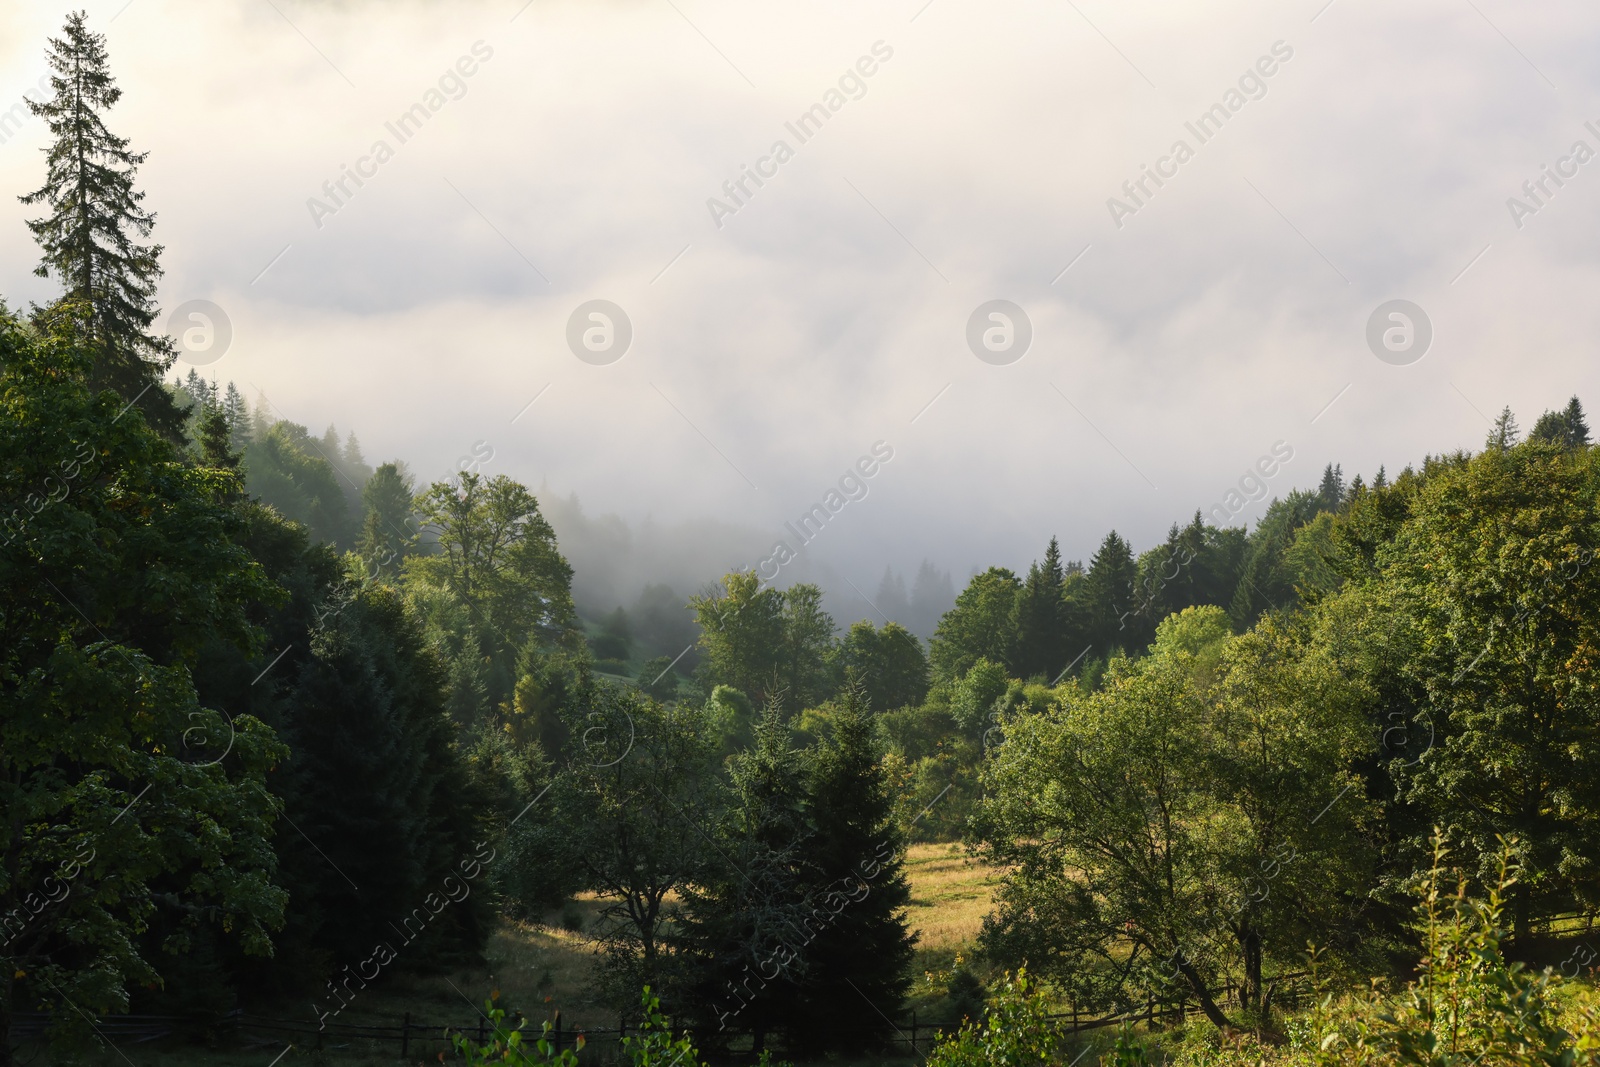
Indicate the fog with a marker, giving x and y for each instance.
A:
(1181, 326)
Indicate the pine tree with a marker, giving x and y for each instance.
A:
(741, 926)
(1107, 590)
(1567, 428)
(1330, 494)
(892, 599)
(1504, 433)
(89, 237)
(1577, 426)
(861, 948)
(387, 530)
(216, 449)
(237, 412)
(1038, 619)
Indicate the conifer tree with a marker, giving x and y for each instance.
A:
(1567, 428)
(237, 412)
(1330, 494)
(1504, 433)
(387, 530)
(90, 235)
(1038, 618)
(861, 949)
(1576, 425)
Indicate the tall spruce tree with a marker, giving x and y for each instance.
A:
(860, 949)
(90, 237)
(1039, 616)
(1504, 433)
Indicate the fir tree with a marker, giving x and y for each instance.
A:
(237, 412)
(1504, 434)
(1576, 425)
(216, 449)
(1038, 618)
(387, 531)
(1330, 494)
(861, 948)
(1567, 428)
(1107, 592)
(90, 236)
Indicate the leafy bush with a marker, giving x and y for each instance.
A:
(1015, 1031)
(506, 1045)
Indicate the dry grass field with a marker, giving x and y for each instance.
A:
(539, 967)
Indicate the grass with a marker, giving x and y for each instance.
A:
(539, 967)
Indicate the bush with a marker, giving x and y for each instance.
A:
(1015, 1031)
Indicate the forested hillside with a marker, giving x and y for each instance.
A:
(283, 729)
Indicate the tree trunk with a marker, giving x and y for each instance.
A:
(1203, 995)
(1250, 943)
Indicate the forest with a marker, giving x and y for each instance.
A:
(282, 728)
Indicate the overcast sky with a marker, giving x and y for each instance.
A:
(1173, 343)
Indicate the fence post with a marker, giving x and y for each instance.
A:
(480, 1031)
(914, 1049)
(405, 1035)
(556, 1031)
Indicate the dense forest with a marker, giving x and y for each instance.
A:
(279, 724)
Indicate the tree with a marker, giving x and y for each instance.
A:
(640, 793)
(1288, 728)
(89, 237)
(379, 792)
(1106, 599)
(859, 947)
(771, 644)
(1165, 829)
(1039, 619)
(237, 412)
(889, 662)
(1330, 494)
(1504, 433)
(741, 633)
(128, 803)
(1567, 428)
(1491, 583)
(932, 594)
(807, 643)
(615, 640)
(387, 528)
(978, 626)
(498, 555)
(285, 469)
(745, 916)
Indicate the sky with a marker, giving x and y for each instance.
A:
(1358, 153)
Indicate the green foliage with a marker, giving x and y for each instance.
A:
(978, 626)
(287, 469)
(1468, 1004)
(655, 1045)
(638, 796)
(1015, 1031)
(1174, 815)
(387, 529)
(121, 790)
(90, 236)
(507, 1044)
(1484, 605)
(498, 555)
(769, 643)
(889, 662)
